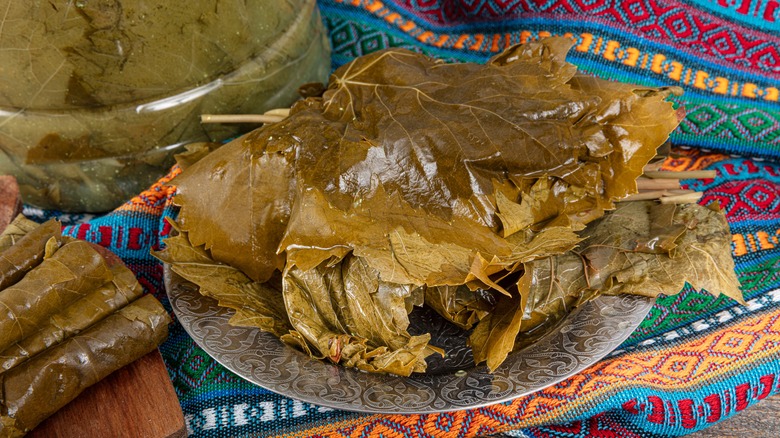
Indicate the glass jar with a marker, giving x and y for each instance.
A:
(96, 96)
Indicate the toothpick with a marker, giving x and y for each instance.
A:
(270, 116)
(685, 174)
(689, 198)
(661, 195)
(645, 184)
(240, 118)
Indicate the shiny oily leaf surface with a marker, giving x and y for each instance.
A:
(402, 150)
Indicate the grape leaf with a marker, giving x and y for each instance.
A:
(459, 304)
(494, 336)
(626, 260)
(347, 313)
(256, 304)
(641, 248)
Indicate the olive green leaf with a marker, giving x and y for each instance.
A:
(256, 304)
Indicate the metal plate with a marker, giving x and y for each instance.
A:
(586, 335)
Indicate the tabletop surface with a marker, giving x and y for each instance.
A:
(760, 420)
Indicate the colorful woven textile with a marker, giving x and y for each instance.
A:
(696, 359)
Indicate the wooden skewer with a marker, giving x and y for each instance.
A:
(239, 118)
(644, 196)
(649, 184)
(688, 198)
(658, 194)
(679, 192)
(665, 186)
(654, 165)
(270, 116)
(685, 174)
(284, 112)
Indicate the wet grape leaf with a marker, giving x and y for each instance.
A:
(341, 312)
(494, 336)
(256, 304)
(642, 248)
(83, 313)
(700, 256)
(350, 316)
(71, 272)
(38, 387)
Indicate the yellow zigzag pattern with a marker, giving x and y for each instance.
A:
(610, 50)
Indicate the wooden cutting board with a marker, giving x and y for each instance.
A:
(136, 401)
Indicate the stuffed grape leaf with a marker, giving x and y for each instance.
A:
(71, 272)
(73, 316)
(641, 248)
(17, 229)
(40, 386)
(27, 252)
(83, 313)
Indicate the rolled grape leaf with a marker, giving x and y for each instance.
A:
(72, 271)
(460, 305)
(27, 252)
(17, 229)
(350, 316)
(83, 313)
(40, 386)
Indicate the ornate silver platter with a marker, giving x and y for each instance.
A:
(588, 334)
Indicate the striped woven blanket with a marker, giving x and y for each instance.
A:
(695, 360)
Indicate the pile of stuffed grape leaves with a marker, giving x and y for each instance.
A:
(492, 193)
(70, 314)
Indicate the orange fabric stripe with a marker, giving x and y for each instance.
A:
(146, 200)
